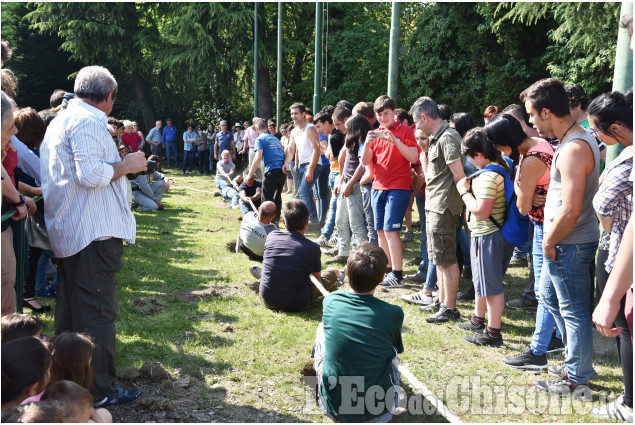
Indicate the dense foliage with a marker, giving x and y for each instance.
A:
(196, 59)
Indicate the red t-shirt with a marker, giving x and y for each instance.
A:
(392, 170)
(10, 162)
(131, 140)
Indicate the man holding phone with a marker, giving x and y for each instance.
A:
(391, 149)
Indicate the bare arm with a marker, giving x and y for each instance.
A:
(480, 207)
(457, 171)
(314, 138)
(256, 163)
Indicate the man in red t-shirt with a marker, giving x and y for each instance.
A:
(391, 149)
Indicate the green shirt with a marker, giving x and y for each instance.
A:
(361, 335)
(441, 192)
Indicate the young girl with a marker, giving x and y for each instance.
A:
(72, 354)
(26, 370)
(490, 252)
(534, 172)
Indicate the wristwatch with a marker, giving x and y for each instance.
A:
(22, 201)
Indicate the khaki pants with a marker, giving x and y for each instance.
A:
(8, 273)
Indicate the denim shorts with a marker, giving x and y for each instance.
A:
(389, 208)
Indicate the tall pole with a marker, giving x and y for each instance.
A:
(393, 58)
(623, 74)
(255, 59)
(279, 88)
(317, 77)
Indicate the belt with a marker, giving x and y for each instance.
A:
(304, 165)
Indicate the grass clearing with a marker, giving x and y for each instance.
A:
(196, 338)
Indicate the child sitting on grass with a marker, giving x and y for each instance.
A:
(16, 325)
(356, 343)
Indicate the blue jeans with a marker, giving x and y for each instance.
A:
(296, 181)
(565, 288)
(186, 155)
(544, 319)
(244, 208)
(321, 193)
(40, 277)
(210, 151)
(369, 215)
(305, 191)
(327, 230)
(228, 191)
(171, 152)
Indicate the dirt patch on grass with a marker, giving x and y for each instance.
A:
(148, 306)
(231, 247)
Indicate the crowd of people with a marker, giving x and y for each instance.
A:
(484, 195)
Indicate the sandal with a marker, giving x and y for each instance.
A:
(29, 302)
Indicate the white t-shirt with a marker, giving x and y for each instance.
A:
(253, 233)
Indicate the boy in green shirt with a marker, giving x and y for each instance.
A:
(355, 344)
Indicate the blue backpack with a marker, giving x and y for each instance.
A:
(515, 226)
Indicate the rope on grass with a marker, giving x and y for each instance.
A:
(432, 399)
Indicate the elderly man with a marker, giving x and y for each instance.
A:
(155, 138)
(147, 189)
(254, 230)
(87, 217)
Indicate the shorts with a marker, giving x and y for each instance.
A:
(441, 233)
(490, 255)
(389, 208)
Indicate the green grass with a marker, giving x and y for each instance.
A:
(180, 269)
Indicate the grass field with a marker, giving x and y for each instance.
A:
(193, 334)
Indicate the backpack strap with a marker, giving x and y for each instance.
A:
(497, 169)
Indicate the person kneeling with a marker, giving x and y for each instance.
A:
(147, 189)
(254, 230)
(289, 258)
(356, 343)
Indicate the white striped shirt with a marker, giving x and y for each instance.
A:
(80, 203)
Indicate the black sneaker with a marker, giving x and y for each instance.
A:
(555, 345)
(470, 326)
(432, 308)
(414, 262)
(445, 314)
(484, 338)
(522, 303)
(564, 388)
(527, 361)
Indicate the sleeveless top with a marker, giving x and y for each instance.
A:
(544, 152)
(586, 229)
(305, 151)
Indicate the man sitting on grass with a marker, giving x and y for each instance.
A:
(355, 344)
(254, 230)
(288, 260)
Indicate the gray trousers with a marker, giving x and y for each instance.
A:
(145, 202)
(87, 302)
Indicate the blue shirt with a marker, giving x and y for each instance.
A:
(272, 153)
(224, 141)
(324, 160)
(188, 136)
(169, 134)
(154, 135)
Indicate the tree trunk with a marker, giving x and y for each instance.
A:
(143, 99)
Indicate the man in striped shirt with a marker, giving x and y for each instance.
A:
(87, 218)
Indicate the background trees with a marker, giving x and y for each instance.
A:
(196, 59)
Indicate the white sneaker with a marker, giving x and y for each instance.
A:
(419, 298)
(322, 241)
(614, 410)
(333, 240)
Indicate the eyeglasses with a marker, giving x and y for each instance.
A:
(114, 95)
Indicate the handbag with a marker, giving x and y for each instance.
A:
(36, 233)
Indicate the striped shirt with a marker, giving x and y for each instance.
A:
(488, 185)
(81, 204)
(615, 199)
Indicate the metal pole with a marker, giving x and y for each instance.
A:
(623, 74)
(317, 77)
(393, 58)
(255, 59)
(279, 88)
